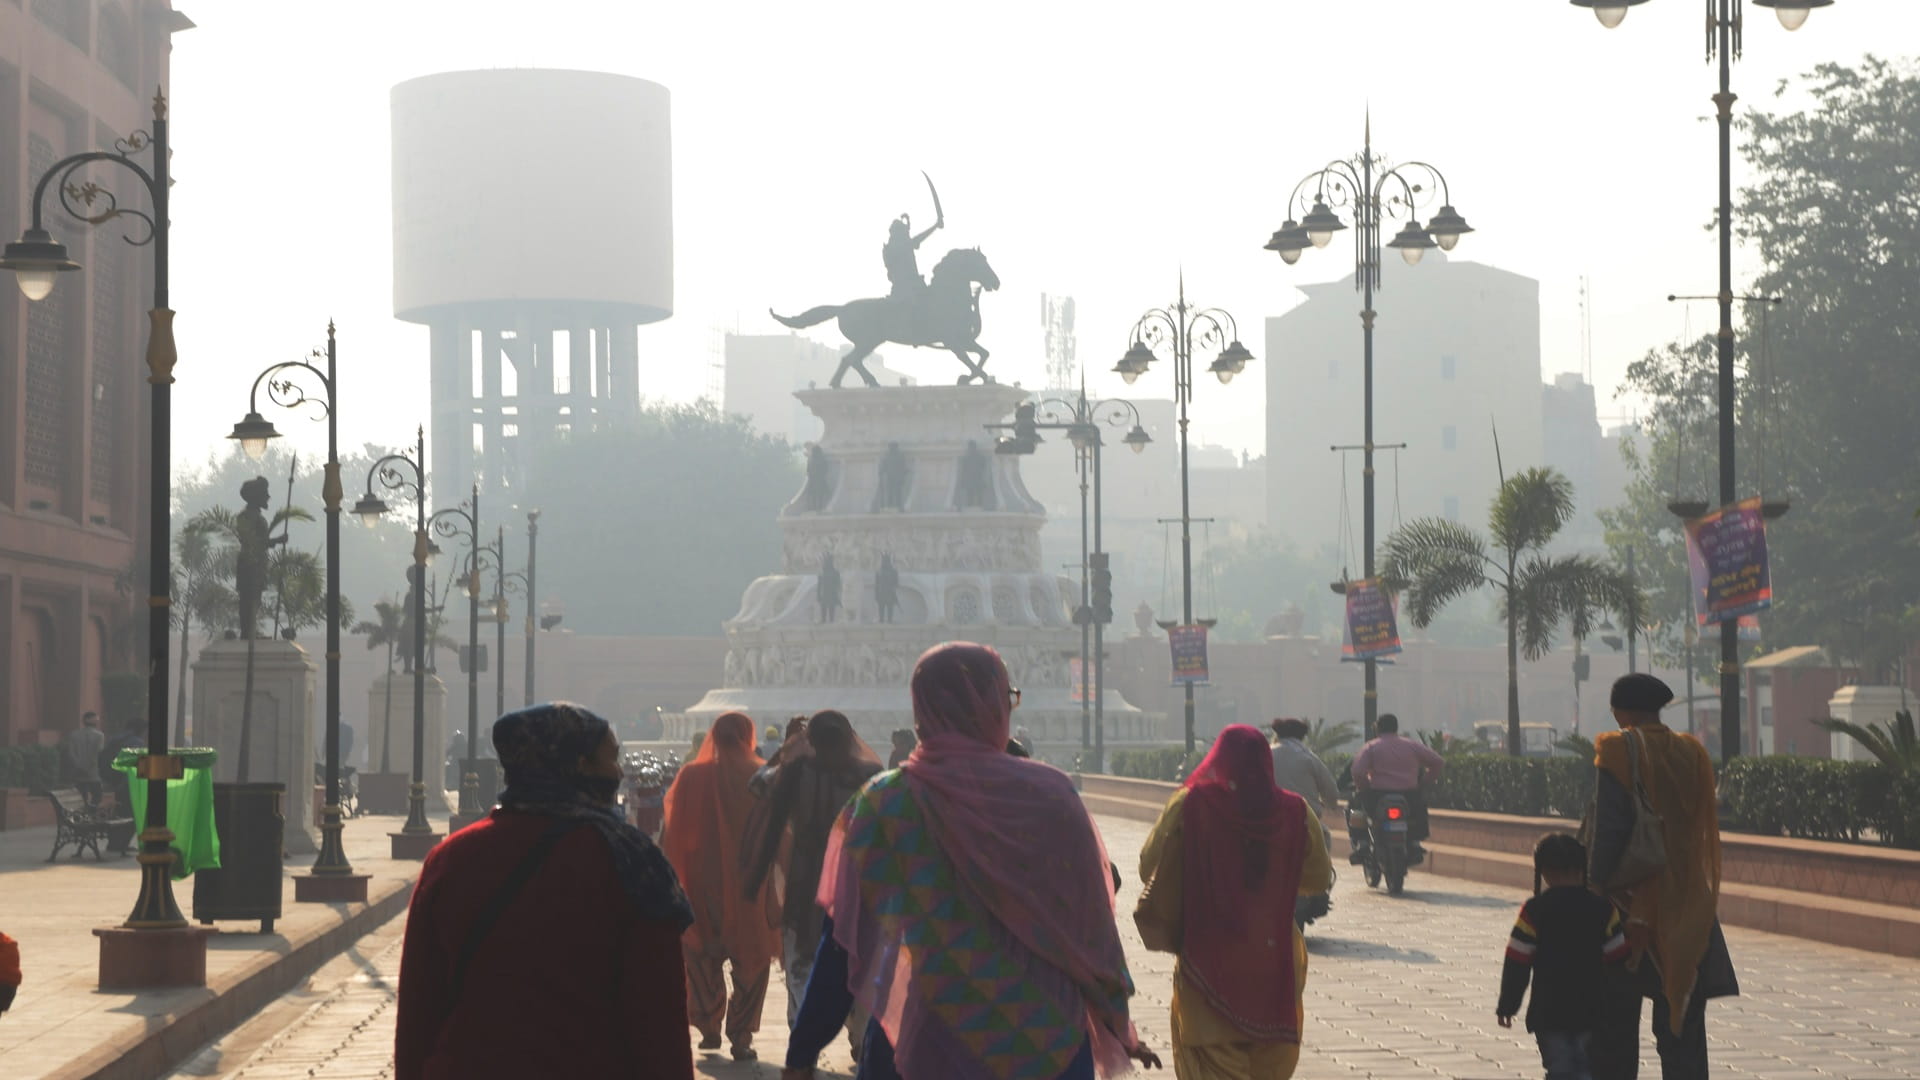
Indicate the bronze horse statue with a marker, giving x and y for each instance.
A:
(946, 315)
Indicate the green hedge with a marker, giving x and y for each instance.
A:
(1817, 799)
(1169, 764)
(34, 767)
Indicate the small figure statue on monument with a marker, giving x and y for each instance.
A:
(891, 493)
(974, 486)
(819, 487)
(886, 589)
(827, 592)
(255, 541)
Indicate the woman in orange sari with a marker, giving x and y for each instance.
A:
(1679, 954)
(708, 815)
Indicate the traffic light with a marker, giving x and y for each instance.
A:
(1582, 668)
(1102, 588)
(474, 659)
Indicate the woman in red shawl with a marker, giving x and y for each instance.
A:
(1244, 849)
(707, 819)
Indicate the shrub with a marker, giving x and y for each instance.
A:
(1166, 764)
(1818, 799)
(33, 767)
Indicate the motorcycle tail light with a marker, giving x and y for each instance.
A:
(1393, 813)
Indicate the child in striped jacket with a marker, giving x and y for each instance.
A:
(1563, 940)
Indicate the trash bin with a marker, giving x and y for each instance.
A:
(196, 843)
(251, 821)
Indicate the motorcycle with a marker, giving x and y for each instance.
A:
(1389, 852)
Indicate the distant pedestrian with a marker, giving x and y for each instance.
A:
(708, 817)
(80, 757)
(1679, 955)
(130, 737)
(1235, 852)
(804, 803)
(903, 744)
(9, 971)
(770, 742)
(544, 940)
(969, 907)
(1562, 941)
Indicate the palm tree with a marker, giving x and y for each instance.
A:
(1895, 744)
(385, 628)
(202, 570)
(1327, 738)
(1433, 561)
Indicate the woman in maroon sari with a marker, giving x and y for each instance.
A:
(1245, 850)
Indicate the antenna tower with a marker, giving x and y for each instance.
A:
(1056, 318)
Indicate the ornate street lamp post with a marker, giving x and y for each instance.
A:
(1081, 418)
(1725, 24)
(1375, 191)
(37, 260)
(464, 521)
(332, 878)
(1184, 328)
(416, 837)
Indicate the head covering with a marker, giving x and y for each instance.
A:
(709, 813)
(805, 801)
(540, 748)
(1289, 728)
(1641, 693)
(971, 892)
(1244, 848)
(1681, 904)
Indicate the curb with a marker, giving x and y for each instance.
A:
(167, 1041)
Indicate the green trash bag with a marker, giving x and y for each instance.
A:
(196, 846)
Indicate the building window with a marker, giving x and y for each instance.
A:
(1449, 438)
(1446, 367)
(1450, 508)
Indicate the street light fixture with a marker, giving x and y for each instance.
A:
(1184, 328)
(1081, 419)
(464, 521)
(416, 837)
(1725, 26)
(332, 878)
(1375, 191)
(155, 941)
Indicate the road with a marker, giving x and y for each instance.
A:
(1397, 987)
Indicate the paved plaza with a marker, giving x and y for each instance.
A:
(1397, 988)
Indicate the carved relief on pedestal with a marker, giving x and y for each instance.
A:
(1007, 548)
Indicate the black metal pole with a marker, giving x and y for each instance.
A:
(1182, 390)
(1099, 635)
(500, 624)
(155, 907)
(1085, 612)
(1729, 630)
(533, 609)
(417, 823)
(470, 773)
(332, 859)
(1367, 210)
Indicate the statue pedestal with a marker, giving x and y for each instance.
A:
(401, 747)
(282, 731)
(963, 537)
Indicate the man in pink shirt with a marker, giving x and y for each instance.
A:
(1393, 764)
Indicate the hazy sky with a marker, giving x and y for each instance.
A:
(1091, 150)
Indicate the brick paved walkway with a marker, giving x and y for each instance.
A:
(1398, 988)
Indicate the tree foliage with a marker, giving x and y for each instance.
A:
(1432, 562)
(658, 526)
(1827, 393)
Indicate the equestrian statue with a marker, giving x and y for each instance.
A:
(941, 313)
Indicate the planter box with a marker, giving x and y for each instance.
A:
(20, 809)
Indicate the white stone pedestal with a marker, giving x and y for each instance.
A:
(962, 533)
(435, 723)
(282, 735)
(1865, 706)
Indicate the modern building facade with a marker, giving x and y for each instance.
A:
(1456, 358)
(75, 75)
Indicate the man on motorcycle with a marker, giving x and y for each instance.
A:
(1394, 765)
(1300, 770)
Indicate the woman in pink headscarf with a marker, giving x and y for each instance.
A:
(970, 894)
(1235, 851)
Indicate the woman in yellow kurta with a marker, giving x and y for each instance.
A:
(1236, 851)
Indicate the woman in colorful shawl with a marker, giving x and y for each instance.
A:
(1679, 954)
(709, 814)
(971, 911)
(1237, 850)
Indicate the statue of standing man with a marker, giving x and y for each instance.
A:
(255, 537)
(827, 592)
(886, 589)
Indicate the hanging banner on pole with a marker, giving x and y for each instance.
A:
(1727, 563)
(1078, 690)
(1189, 644)
(1371, 630)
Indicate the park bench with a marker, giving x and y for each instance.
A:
(81, 825)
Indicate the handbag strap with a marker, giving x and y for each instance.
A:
(1635, 748)
(523, 872)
